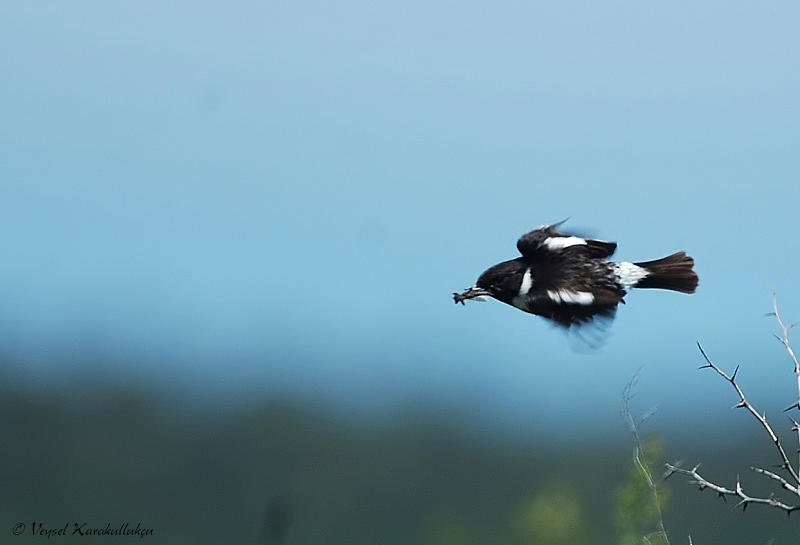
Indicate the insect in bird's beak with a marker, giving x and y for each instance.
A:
(473, 292)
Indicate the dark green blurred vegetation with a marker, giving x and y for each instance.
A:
(286, 472)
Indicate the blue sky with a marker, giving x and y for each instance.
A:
(257, 197)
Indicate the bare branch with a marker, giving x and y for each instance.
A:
(744, 499)
(784, 340)
(762, 419)
(796, 429)
(790, 483)
(784, 483)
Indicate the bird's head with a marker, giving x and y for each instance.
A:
(501, 281)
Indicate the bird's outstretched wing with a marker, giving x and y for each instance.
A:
(548, 241)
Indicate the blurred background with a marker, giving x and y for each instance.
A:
(229, 234)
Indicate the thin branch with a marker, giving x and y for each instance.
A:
(783, 338)
(784, 483)
(744, 499)
(633, 426)
(796, 428)
(792, 483)
(762, 419)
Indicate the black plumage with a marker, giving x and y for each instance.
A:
(568, 279)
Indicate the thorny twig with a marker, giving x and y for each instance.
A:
(761, 417)
(783, 338)
(792, 484)
(744, 499)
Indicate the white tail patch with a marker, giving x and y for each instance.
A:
(571, 297)
(629, 274)
(520, 300)
(558, 243)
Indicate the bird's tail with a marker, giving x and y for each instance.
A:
(673, 272)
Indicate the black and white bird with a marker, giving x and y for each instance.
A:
(568, 279)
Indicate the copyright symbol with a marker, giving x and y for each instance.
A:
(18, 528)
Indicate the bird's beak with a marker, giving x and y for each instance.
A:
(473, 292)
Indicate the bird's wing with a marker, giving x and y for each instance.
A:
(569, 300)
(544, 241)
(569, 307)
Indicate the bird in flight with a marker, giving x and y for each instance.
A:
(568, 279)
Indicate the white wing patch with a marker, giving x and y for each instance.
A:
(571, 297)
(629, 274)
(520, 301)
(558, 243)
